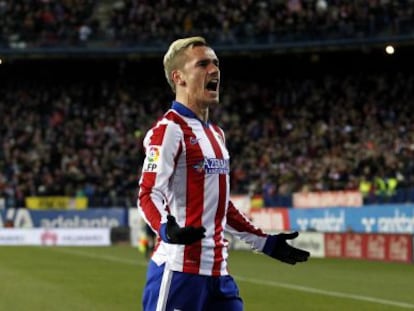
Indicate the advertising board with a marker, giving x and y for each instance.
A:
(383, 247)
(55, 237)
(270, 219)
(391, 218)
(90, 218)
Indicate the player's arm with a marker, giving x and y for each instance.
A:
(274, 246)
(162, 147)
(241, 227)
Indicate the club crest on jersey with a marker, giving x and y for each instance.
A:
(213, 166)
(151, 161)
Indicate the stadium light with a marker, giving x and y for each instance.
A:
(389, 49)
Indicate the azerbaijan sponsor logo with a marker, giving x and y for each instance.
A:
(213, 166)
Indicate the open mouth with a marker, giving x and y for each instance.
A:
(212, 85)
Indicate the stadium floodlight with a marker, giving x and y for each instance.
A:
(389, 49)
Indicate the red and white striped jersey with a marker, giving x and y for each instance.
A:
(186, 174)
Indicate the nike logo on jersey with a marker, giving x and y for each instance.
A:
(193, 140)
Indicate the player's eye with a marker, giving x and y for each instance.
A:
(203, 63)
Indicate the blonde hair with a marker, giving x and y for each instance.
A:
(172, 59)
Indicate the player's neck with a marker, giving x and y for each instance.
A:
(201, 111)
(204, 115)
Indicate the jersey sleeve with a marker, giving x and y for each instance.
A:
(162, 145)
(241, 227)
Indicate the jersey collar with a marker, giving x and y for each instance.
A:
(186, 112)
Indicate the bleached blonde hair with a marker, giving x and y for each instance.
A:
(173, 58)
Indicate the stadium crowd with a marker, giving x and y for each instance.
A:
(228, 21)
(46, 23)
(133, 22)
(332, 132)
(83, 137)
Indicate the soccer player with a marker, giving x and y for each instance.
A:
(185, 196)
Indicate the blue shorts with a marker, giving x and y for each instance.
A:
(168, 290)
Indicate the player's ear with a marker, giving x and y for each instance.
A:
(177, 77)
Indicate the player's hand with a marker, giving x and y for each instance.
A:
(277, 247)
(182, 235)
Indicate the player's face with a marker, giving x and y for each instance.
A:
(201, 74)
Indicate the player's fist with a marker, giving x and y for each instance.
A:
(175, 234)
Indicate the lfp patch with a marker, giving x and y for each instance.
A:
(151, 161)
(153, 154)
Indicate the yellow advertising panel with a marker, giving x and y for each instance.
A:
(257, 201)
(57, 202)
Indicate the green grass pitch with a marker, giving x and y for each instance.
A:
(112, 278)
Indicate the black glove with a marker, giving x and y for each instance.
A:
(185, 235)
(277, 247)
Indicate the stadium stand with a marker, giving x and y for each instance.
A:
(46, 23)
(131, 23)
(229, 22)
(75, 127)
